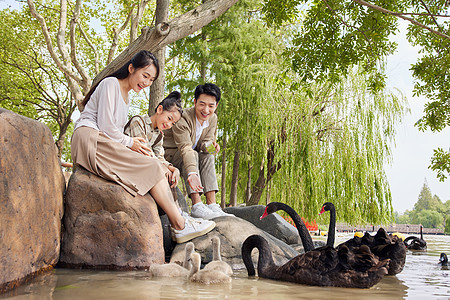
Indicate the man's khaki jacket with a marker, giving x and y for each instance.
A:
(181, 138)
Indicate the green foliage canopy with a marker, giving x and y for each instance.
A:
(329, 138)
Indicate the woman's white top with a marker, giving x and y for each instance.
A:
(107, 111)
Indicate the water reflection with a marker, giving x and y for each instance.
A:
(421, 278)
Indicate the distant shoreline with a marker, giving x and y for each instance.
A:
(403, 228)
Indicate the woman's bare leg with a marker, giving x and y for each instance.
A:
(162, 195)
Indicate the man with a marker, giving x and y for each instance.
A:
(186, 146)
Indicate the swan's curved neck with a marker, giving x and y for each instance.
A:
(332, 228)
(196, 261)
(265, 259)
(189, 249)
(216, 249)
(307, 241)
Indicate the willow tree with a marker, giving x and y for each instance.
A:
(336, 142)
(338, 34)
(242, 56)
(304, 141)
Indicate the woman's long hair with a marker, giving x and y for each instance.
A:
(140, 60)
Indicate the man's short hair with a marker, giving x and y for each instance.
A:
(209, 89)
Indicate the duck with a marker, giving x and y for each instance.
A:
(174, 269)
(217, 263)
(381, 244)
(443, 260)
(303, 232)
(324, 266)
(415, 243)
(206, 276)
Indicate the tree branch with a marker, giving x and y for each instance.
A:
(72, 79)
(61, 35)
(116, 33)
(137, 19)
(386, 11)
(86, 82)
(48, 39)
(351, 26)
(161, 35)
(94, 50)
(429, 13)
(422, 14)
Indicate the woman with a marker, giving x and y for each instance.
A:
(100, 146)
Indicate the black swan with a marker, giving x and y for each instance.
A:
(303, 232)
(415, 243)
(323, 266)
(382, 245)
(443, 260)
(328, 206)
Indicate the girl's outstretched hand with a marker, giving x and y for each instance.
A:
(173, 177)
(140, 146)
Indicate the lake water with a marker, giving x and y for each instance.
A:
(422, 278)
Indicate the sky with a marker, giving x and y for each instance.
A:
(413, 149)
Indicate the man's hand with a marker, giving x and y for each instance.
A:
(194, 182)
(217, 147)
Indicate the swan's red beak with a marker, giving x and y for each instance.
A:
(265, 214)
(322, 210)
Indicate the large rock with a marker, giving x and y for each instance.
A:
(31, 199)
(273, 223)
(232, 232)
(105, 227)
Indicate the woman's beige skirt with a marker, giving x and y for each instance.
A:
(113, 161)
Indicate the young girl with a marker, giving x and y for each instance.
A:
(100, 146)
(167, 113)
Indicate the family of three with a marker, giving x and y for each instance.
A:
(144, 160)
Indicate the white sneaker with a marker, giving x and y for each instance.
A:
(201, 210)
(217, 209)
(192, 228)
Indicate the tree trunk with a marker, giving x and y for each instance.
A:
(60, 143)
(203, 62)
(156, 38)
(157, 88)
(62, 134)
(262, 181)
(224, 174)
(248, 190)
(258, 188)
(234, 178)
(268, 192)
